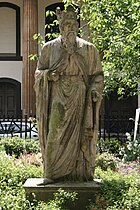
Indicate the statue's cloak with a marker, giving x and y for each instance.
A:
(67, 116)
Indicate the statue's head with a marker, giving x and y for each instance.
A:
(68, 24)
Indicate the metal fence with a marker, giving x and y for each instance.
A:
(115, 127)
(24, 127)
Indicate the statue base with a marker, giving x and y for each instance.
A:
(86, 191)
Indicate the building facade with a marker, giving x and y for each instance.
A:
(19, 21)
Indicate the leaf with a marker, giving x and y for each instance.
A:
(47, 13)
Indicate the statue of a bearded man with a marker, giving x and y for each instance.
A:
(68, 85)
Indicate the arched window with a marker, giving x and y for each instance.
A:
(10, 31)
(49, 19)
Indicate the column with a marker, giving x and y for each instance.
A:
(30, 27)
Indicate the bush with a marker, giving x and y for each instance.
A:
(131, 149)
(109, 145)
(13, 174)
(106, 160)
(32, 159)
(61, 201)
(117, 192)
(16, 146)
(128, 167)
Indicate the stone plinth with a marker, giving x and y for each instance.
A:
(86, 191)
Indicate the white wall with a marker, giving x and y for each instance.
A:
(11, 69)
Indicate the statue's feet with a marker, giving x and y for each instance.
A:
(45, 182)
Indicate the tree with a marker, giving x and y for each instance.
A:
(114, 27)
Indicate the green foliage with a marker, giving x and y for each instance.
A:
(114, 29)
(41, 42)
(117, 192)
(109, 145)
(13, 174)
(17, 146)
(105, 161)
(62, 199)
(52, 25)
(39, 39)
(131, 149)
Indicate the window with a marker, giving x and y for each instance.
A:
(50, 19)
(10, 31)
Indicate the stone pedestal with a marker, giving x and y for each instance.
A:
(86, 191)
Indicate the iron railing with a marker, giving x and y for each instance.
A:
(21, 127)
(115, 127)
(109, 127)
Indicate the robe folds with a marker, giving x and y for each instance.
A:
(67, 113)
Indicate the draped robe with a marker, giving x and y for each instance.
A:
(66, 114)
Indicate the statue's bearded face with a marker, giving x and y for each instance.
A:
(68, 30)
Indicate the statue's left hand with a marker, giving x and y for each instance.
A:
(53, 76)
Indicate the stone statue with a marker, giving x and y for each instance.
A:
(68, 85)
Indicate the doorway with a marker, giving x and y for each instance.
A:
(10, 98)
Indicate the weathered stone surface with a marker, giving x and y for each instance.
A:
(69, 84)
(86, 191)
